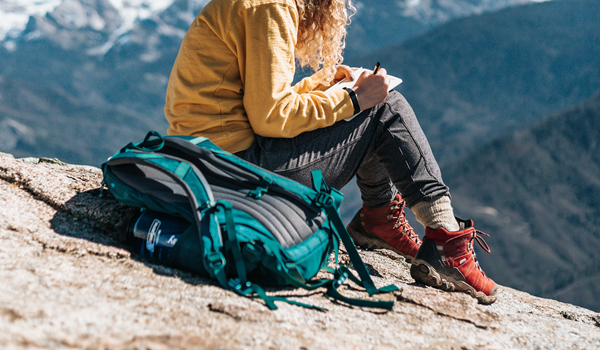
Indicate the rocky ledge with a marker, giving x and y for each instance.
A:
(67, 282)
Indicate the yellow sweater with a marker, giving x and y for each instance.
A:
(233, 74)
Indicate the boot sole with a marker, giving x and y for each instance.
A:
(364, 240)
(425, 274)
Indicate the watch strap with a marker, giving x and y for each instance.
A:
(354, 100)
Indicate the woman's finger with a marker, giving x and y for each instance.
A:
(343, 71)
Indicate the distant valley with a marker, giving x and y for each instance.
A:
(537, 192)
(479, 77)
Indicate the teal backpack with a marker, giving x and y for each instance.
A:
(249, 227)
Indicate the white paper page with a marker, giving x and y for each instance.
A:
(394, 81)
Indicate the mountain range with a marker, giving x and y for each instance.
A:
(113, 55)
(381, 23)
(46, 122)
(117, 55)
(479, 77)
(96, 26)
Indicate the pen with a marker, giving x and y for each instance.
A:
(376, 67)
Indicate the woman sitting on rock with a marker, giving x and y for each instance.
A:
(232, 83)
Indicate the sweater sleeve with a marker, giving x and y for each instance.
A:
(266, 58)
(310, 84)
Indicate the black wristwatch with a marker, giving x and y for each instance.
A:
(354, 100)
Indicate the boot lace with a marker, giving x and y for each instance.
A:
(397, 208)
(482, 243)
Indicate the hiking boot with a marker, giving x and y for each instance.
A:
(385, 228)
(447, 261)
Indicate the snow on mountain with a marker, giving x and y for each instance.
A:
(432, 12)
(95, 27)
(132, 10)
(91, 25)
(439, 11)
(145, 28)
(14, 14)
(87, 14)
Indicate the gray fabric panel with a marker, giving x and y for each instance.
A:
(282, 212)
(288, 223)
(143, 177)
(216, 169)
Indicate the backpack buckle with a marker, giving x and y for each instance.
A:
(254, 251)
(263, 187)
(324, 200)
(238, 287)
(215, 260)
(340, 278)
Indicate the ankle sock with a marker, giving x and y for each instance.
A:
(436, 214)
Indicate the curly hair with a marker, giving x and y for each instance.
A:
(322, 34)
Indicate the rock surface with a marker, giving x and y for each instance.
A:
(66, 282)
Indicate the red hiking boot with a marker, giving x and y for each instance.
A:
(447, 261)
(385, 228)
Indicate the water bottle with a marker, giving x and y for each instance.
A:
(153, 235)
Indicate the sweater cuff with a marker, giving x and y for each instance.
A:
(342, 103)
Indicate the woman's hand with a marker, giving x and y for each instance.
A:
(343, 72)
(371, 89)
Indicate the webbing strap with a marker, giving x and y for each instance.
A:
(214, 260)
(379, 304)
(270, 300)
(261, 294)
(232, 243)
(216, 266)
(308, 306)
(359, 265)
(149, 145)
(325, 201)
(341, 274)
(308, 285)
(348, 274)
(338, 226)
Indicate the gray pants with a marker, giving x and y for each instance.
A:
(384, 147)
